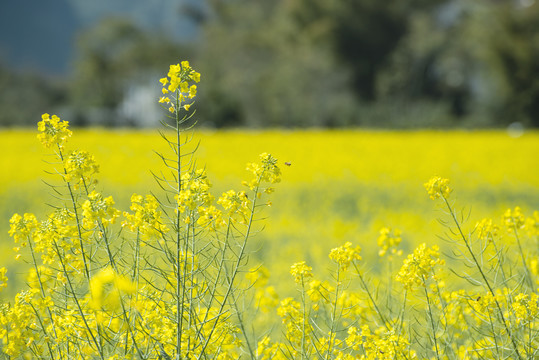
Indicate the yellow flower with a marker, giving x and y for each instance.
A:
(3, 278)
(419, 266)
(22, 226)
(319, 290)
(389, 239)
(79, 167)
(178, 82)
(438, 187)
(53, 131)
(526, 307)
(107, 286)
(486, 230)
(266, 171)
(195, 191)
(301, 271)
(97, 208)
(513, 219)
(345, 254)
(146, 216)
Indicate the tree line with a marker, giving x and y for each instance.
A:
(304, 63)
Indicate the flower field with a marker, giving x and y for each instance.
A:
(340, 185)
(330, 245)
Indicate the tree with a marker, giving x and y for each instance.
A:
(112, 57)
(262, 69)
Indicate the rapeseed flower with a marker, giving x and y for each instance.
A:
(98, 209)
(195, 191)
(419, 266)
(389, 239)
(107, 286)
(178, 86)
(53, 131)
(3, 278)
(79, 167)
(486, 229)
(266, 171)
(438, 187)
(236, 205)
(301, 271)
(526, 307)
(513, 219)
(20, 227)
(344, 255)
(146, 216)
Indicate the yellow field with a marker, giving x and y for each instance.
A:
(338, 190)
(470, 158)
(340, 186)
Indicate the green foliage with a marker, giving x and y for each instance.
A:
(24, 95)
(301, 63)
(265, 71)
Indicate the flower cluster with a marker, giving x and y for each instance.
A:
(438, 187)
(56, 233)
(177, 88)
(107, 287)
(195, 191)
(236, 205)
(294, 320)
(319, 291)
(526, 307)
(17, 327)
(20, 227)
(419, 266)
(98, 210)
(344, 255)
(53, 131)
(79, 167)
(382, 344)
(486, 229)
(3, 278)
(389, 239)
(513, 219)
(146, 216)
(266, 350)
(301, 271)
(265, 171)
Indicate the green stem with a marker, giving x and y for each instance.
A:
(431, 317)
(486, 281)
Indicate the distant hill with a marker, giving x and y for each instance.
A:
(40, 35)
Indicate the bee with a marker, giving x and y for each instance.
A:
(288, 163)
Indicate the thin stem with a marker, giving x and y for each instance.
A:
(366, 288)
(237, 264)
(76, 298)
(486, 281)
(76, 212)
(303, 320)
(334, 313)
(431, 317)
(528, 274)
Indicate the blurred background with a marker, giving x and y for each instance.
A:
(279, 63)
